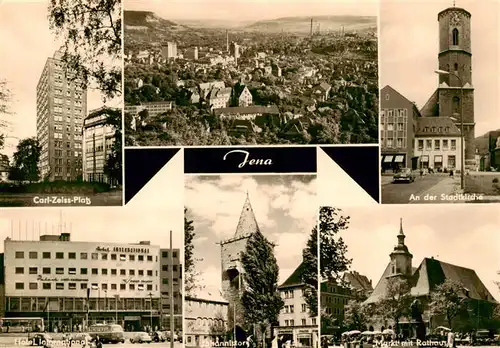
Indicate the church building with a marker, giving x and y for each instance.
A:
(423, 281)
(431, 137)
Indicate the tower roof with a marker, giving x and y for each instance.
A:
(248, 223)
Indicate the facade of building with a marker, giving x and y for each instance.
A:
(242, 96)
(166, 266)
(98, 139)
(423, 281)
(219, 98)
(235, 51)
(61, 109)
(191, 53)
(398, 125)
(454, 96)
(437, 144)
(205, 320)
(296, 323)
(170, 50)
(4, 167)
(79, 283)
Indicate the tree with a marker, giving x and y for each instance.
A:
(396, 302)
(5, 99)
(448, 300)
(113, 165)
(261, 299)
(92, 34)
(310, 273)
(356, 316)
(25, 161)
(190, 272)
(333, 250)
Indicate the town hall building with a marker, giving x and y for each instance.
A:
(423, 282)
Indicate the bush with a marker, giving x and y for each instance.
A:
(56, 187)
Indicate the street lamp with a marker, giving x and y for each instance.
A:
(462, 150)
(151, 309)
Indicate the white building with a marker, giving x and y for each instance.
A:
(66, 282)
(98, 139)
(153, 108)
(437, 143)
(295, 321)
(205, 320)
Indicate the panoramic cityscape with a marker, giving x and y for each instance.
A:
(275, 76)
(60, 131)
(441, 139)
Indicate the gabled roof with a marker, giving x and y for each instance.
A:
(436, 126)
(295, 278)
(358, 281)
(248, 223)
(219, 92)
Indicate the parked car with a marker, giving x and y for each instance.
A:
(405, 174)
(141, 337)
(158, 336)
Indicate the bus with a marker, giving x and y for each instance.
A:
(17, 325)
(108, 333)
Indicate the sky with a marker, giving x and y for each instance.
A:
(27, 42)
(284, 206)
(99, 224)
(409, 48)
(247, 10)
(464, 235)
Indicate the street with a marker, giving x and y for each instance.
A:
(426, 189)
(16, 341)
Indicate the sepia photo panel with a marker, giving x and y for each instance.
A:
(250, 73)
(439, 123)
(392, 278)
(61, 103)
(251, 261)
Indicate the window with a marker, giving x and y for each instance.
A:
(59, 270)
(19, 286)
(390, 126)
(46, 255)
(451, 162)
(454, 35)
(84, 256)
(46, 286)
(104, 271)
(83, 286)
(387, 96)
(455, 66)
(113, 286)
(456, 105)
(72, 270)
(131, 286)
(150, 258)
(59, 286)
(113, 256)
(59, 255)
(437, 144)
(33, 255)
(123, 286)
(72, 256)
(400, 126)
(113, 271)
(453, 144)
(33, 270)
(83, 271)
(95, 256)
(140, 258)
(123, 272)
(164, 254)
(420, 144)
(123, 257)
(303, 322)
(174, 254)
(149, 287)
(445, 144)
(72, 286)
(428, 144)
(400, 143)
(33, 286)
(95, 271)
(104, 286)
(150, 273)
(20, 255)
(46, 270)
(131, 272)
(104, 256)
(390, 142)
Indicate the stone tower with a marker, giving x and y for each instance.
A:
(401, 258)
(455, 56)
(232, 278)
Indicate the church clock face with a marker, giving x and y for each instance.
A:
(455, 19)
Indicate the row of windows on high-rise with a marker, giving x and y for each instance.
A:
(439, 144)
(85, 271)
(303, 322)
(85, 256)
(84, 286)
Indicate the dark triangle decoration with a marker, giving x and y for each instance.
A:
(141, 165)
(361, 163)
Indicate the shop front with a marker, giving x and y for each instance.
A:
(391, 163)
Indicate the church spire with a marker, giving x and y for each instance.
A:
(247, 223)
(401, 235)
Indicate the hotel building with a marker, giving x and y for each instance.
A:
(61, 108)
(98, 139)
(165, 268)
(80, 283)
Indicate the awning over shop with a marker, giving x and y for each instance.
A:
(304, 335)
(399, 159)
(388, 159)
(438, 158)
(424, 158)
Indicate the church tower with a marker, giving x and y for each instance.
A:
(231, 249)
(401, 258)
(455, 57)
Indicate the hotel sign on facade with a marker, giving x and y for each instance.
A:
(123, 250)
